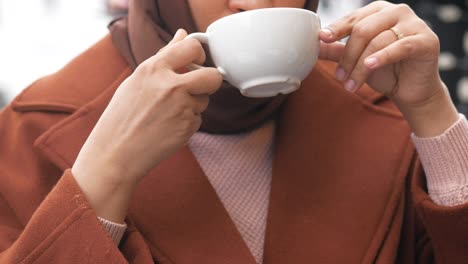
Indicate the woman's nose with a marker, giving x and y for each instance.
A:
(244, 5)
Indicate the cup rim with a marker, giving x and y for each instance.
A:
(262, 10)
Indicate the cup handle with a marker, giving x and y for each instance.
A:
(203, 38)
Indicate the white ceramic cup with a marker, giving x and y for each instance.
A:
(264, 52)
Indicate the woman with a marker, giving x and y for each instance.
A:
(325, 175)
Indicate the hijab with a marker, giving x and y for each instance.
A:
(151, 24)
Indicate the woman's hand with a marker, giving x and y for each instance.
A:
(152, 114)
(396, 53)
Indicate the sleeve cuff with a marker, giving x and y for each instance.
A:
(445, 162)
(64, 228)
(116, 231)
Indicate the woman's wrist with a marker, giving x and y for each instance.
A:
(433, 117)
(108, 196)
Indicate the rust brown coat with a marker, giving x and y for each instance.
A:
(347, 185)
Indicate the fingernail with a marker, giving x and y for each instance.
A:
(350, 86)
(340, 74)
(371, 62)
(327, 32)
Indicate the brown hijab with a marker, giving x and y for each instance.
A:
(151, 24)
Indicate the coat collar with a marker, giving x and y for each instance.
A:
(338, 174)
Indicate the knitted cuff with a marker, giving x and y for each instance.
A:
(445, 162)
(116, 231)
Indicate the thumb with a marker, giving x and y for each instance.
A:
(178, 36)
(331, 51)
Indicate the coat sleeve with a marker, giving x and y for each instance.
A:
(445, 236)
(44, 216)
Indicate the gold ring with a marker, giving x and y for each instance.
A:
(397, 33)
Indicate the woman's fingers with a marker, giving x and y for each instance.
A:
(359, 74)
(205, 81)
(394, 52)
(381, 53)
(200, 103)
(369, 32)
(178, 36)
(182, 53)
(362, 34)
(343, 27)
(331, 51)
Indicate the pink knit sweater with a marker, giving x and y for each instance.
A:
(239, 168)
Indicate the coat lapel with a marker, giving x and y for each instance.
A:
(338, 176)
(178, 211)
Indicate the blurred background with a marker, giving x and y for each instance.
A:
(37, 37)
